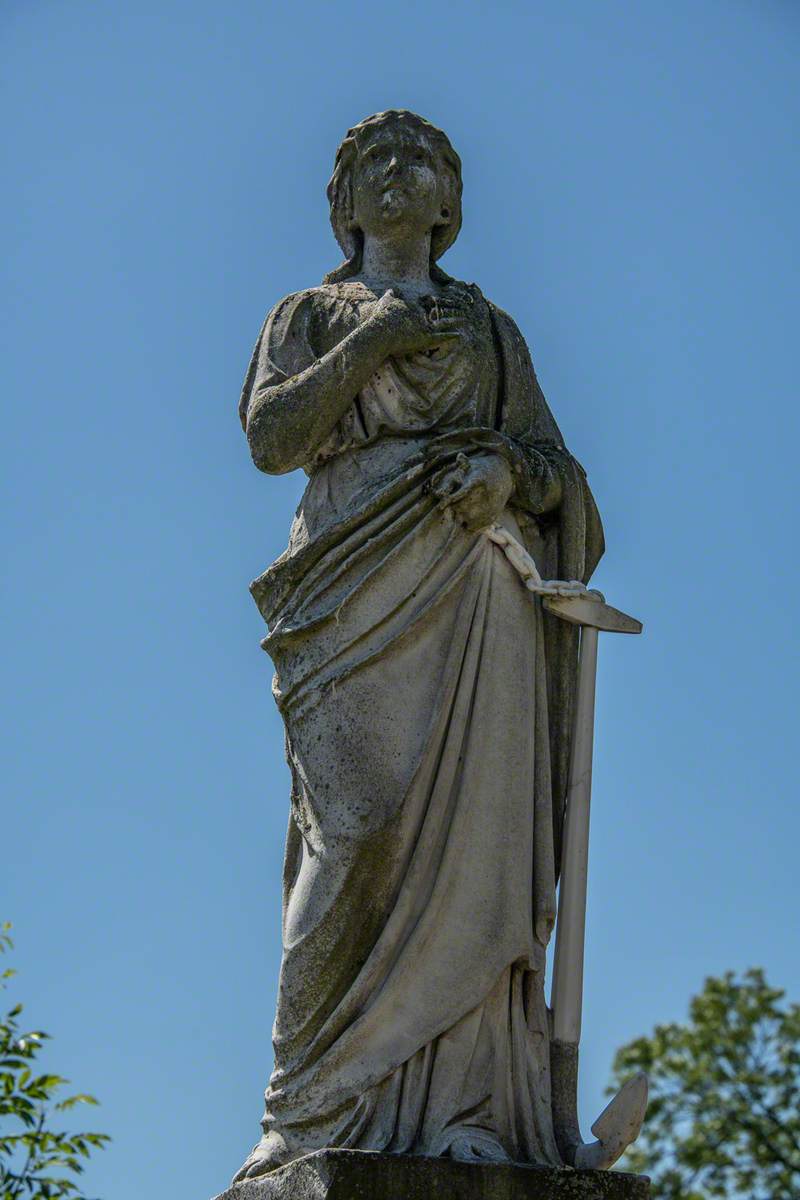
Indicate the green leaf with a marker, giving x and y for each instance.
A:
(71, 1101)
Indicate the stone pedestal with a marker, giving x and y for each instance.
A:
(359, 1175)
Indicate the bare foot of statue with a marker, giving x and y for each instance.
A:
(477, 1145)
(269, 1154)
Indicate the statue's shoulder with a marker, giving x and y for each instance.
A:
(321, 303)
(504, 323)
(294, 317)
(295, 302)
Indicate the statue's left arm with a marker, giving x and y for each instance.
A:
(548, 482)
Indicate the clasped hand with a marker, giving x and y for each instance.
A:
(412, 327)
(474, 490)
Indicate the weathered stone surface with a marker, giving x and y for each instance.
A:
(360, 1175)
(431, 709)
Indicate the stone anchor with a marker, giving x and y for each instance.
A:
(621, 1120)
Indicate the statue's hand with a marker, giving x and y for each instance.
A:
(475, 490)
(408, 328)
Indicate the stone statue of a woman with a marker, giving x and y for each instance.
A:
(426, 695)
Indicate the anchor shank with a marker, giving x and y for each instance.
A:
(567, 991)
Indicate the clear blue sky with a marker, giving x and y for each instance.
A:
(632, 186)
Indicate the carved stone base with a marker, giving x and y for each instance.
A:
(359, 1175)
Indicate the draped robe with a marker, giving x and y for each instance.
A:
(427, 701)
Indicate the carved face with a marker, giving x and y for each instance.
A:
(397, 183)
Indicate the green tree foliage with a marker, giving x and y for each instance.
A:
(724, 1112)
(37, 1162)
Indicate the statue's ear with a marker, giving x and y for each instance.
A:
(445, 216)
(448, 222)
(355, 240)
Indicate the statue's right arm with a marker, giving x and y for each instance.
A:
(289, 420)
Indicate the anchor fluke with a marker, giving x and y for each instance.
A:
(617, 1126)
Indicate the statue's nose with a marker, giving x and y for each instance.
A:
(393, 165)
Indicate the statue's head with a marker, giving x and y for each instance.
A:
(394, 170)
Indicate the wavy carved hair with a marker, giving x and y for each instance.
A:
(340, 190)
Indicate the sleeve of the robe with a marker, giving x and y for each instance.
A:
(283, 348)
(549, 482)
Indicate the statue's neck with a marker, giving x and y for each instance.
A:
(396, 262)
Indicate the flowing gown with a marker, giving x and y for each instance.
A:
(427, 702)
